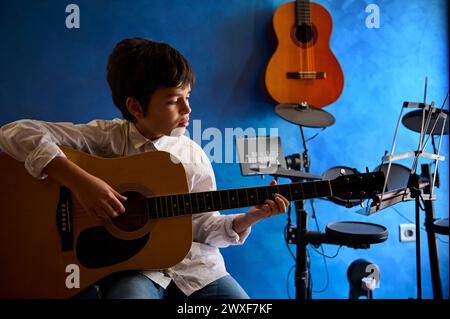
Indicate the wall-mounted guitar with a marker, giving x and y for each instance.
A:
(43, 229)
(303, 68)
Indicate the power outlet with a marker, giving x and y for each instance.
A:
(407, 233)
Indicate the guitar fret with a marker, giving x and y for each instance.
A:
(308, 189)
(252, 197)
(299, 192)
(290, 193)
(187, 203)
(159, 210)
(174, 205)
(204, 201)
(178, 206)
(158, 206)
(216, 201)
(181, 206)
(240, 194)
(171, 205)
(198, 204)
(284, 190)
(229, 198)
(232, 199)
(220, 199)
(194, 203)
(208, 205)
(161, 206)
(166, 206)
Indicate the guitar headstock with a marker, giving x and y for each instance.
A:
(358, 186)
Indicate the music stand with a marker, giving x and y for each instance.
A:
(418, 187)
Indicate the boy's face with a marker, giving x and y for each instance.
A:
(167, 113)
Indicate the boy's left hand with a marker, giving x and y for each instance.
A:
(270, 208)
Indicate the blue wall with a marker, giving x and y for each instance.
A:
(53, 73)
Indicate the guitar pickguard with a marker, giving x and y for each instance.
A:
(97, 248)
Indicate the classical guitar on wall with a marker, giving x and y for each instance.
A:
(303, 67)
(45, 234)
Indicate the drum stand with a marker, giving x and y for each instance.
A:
(299, 234)
(420, 188)
(335, 233)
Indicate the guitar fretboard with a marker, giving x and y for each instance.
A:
(193, 203)
(303, 12)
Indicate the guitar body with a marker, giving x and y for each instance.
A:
(32, 261)
(322, 80)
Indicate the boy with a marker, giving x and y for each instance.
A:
(150, 84)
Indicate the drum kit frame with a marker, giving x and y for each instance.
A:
(431, 121)
(401, 184)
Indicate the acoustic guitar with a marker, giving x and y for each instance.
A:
(303, 68)
(44, 231)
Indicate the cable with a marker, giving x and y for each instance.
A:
(331, 257)
(323, 253)
(287, 281)
(315, 135)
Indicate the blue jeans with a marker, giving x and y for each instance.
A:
(134, 285)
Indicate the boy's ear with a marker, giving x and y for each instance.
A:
(134, 107)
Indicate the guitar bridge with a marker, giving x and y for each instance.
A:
(306, 75)
(64, 219)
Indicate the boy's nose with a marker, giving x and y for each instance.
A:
(185, 109)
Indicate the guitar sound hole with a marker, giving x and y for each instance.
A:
(304, 33)
(135, 216)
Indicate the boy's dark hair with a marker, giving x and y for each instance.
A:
(138, 67)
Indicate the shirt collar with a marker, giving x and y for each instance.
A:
(138, 140)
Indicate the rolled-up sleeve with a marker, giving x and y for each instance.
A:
(217, 230)
(36, 143)
(213, 228)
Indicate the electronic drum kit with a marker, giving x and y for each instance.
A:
(349, 233)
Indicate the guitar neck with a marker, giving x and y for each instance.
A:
(193, 203)
(303, 12)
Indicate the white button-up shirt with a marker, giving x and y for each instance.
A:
(36, 144)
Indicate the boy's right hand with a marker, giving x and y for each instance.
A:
(98, 198)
